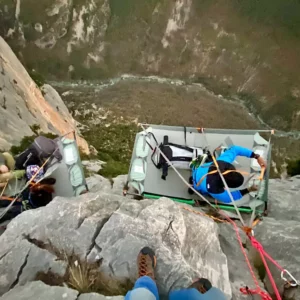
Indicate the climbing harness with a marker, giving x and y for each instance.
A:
(247, 230)
(224, 181)
(224, 173)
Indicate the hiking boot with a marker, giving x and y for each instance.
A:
(146, 263)
(202, 285)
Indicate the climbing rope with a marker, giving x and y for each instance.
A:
(25, 187)
(223, 179)
(247, 230)
(254, 242)
(6, 183)
(246, 290)
(204, 214)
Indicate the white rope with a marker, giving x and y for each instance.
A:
(192, 188)
(180, 176)
(26, 185)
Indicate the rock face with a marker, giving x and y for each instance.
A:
(181, 38)
(106, 227)
(93, 166)
(279, 235)
(238, 269)
(22, 104)
(280, 232)
(284, 199)
(281, 241)
(40, 291)
(113, 229)
(98, 183)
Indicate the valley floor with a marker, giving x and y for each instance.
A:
(113, 110)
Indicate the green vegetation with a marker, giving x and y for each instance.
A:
(114, 144)
(293, 167)
(283, 13)
(88, 278)
(218, 88)
(126, 8)
(34, 11)
(282, 112)
(7, 20)
(251, 101)
(35, 128)
(81, 275)
(37, 78)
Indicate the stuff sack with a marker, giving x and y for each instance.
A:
(41, 149)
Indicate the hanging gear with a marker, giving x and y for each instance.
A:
(180, 156)
(248, 231)
(41, 149)
(31, 170)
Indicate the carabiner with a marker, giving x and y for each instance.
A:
(291, 276)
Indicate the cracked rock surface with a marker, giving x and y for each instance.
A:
(22, 104)
(98, 183)
(39, 291)
(113, 229)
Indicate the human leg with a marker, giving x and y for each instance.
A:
(145, 287)
(201, 289)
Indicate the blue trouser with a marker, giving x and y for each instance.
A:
(145, 289)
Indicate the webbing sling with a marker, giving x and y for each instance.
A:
(216, 171)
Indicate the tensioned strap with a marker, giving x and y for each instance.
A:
(216, 171)
(224, 181)
(189, 149)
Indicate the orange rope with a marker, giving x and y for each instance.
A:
(204, 214)
(258, 290)
(7, 198)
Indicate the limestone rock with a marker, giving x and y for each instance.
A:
(54, 99)
(171, 231)
(23, 261)
(98, 183)
(94, 296)
(239, 273)
(38, 27)
(165, 44)
(284, 200)
(281, 240)
(114, 229)
(39, 291)
(118, 184)
(93, 166)
(23, 105)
